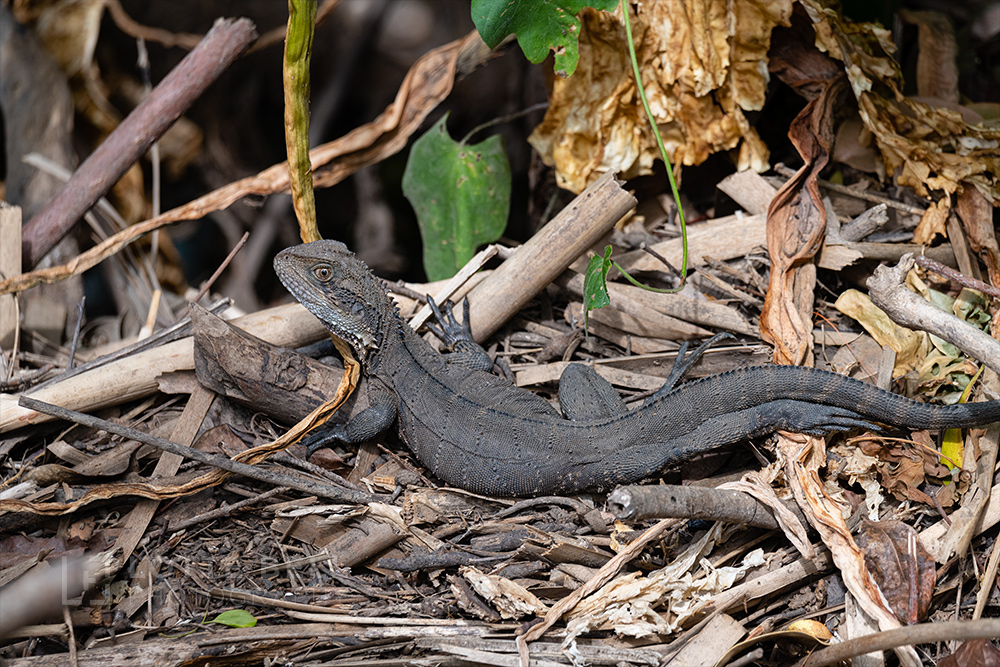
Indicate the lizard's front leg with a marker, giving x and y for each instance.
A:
(370, 422)
(457, 337)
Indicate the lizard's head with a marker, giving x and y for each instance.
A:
(338, 288)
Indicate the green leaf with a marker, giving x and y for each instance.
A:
(461, 195)
(952, 441)
(970, 306)
(540, 26)
(595, 285)
(236, 618)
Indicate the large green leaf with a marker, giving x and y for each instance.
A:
(540, 26)
(461, 195)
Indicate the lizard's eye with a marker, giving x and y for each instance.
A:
(323, 272)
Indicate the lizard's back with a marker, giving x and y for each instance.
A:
(482, 433)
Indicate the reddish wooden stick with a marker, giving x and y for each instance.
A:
(227, 39)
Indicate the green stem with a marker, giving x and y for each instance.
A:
(635, 282)
(663, 154)
(295, 77)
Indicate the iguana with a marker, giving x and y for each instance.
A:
(477, 431)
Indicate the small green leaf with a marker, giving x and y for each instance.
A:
(945, 347)
(595, 285)
(236, 618)
(951, 441)
(971, 307)
(461, 194)
(540, 26)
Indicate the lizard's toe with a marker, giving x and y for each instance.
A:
(322, 438)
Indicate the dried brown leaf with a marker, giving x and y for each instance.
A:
(927, 148)
(973, 653)
(802, 463)
(702, 65)
(796, 224)
(932, 221)
(976, 215)
(905, 572)
(903, 468)
(911, 347)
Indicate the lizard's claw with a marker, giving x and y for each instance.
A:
(322, 438)
(685, 360)
(823, 419)
(449, 330)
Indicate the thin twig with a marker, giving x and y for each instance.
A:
(179, 89)
(68, 620)
(25, 380)
(504, 119)
(955, 276)
(225, 510)
(76, 332)
(174, 332)
(218, 272)
(235, 467)
(924, 633)
(663, 260)
(131, 27)
(864, 195)
(142, 62)
(749, 658)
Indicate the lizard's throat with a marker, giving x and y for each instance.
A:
(364, 334)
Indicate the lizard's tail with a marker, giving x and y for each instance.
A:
(888, 408)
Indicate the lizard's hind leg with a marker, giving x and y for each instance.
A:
(685, 362)
(585, 395)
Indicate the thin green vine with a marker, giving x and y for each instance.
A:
(595, 282)
(663, 155)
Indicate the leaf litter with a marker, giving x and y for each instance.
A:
(440, 571)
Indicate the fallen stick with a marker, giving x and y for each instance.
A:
(135, 376)
(887, 289)
(924, 633)
(339, 494)
(547, 254)
(635, 503)
(227, 39)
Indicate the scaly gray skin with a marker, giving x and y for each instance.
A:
(477, 431)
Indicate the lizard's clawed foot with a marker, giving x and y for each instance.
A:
(457, 337)
(322, 438)
(828, 419)
(449, 330)
(686, 360)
